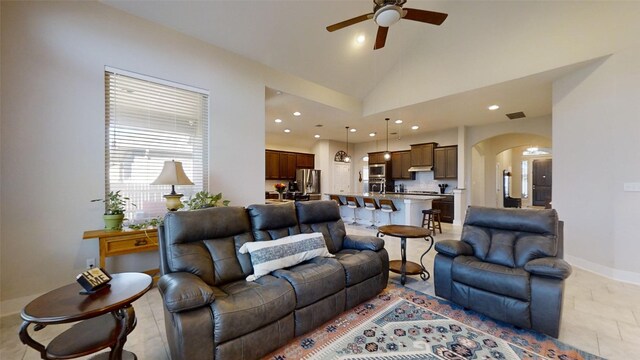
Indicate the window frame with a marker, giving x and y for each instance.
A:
(147, 126)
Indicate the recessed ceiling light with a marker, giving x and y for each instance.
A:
(287, 130)
(493, 107)
(316, 136)
(297, 113)
(365, 158)
(360, 39)
(372, 134)
(278, 120)
(398, 121)
(415, 127)
(353, 130)
(279, 92)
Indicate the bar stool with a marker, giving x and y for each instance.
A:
(337, 199)
(387, 206)
(352, 203)
(431, 218)
(371, 205)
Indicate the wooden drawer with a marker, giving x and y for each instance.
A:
(128, 244)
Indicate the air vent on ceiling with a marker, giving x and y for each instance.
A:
(516, 115)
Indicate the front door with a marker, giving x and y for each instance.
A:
(341, 178)
(541, 184)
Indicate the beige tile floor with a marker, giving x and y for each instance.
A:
(600, 316)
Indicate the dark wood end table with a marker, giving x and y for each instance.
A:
(404, 267)
(106, 318)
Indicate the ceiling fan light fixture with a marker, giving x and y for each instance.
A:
(388, 15)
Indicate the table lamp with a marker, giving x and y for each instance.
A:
(172, 174)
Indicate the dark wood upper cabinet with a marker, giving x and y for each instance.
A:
(282, 165)
(287, 166)
(400, 164)
(272, 165)
(445, 162)
(422, 154)
(377, 157)
(305, 161)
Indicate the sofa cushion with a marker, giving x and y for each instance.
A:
(267, 256)
(273, 221)
(498, 279)
(359, 265)
(241, 307)
(205, 243)
(314, 279)
(322, 216)
(511, 237)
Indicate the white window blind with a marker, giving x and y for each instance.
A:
(147, 123)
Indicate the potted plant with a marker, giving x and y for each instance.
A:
(114, 210)
(203, 199)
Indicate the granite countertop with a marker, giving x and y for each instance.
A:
(420, 193)
(392, 196)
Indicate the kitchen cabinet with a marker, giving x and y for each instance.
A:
(422, 154)
(400, 164)
(287, 166)
(305, 161)
(377, 157)
(445, 162)
(282, 165)
(272, 165)
(445, 205)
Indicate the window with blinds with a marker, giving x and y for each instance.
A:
(149, 121)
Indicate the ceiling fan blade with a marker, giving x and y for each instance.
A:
(349, 22)
(381, 37)
(429, 17)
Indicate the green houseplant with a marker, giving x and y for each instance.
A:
(203, 199)
(114, 209)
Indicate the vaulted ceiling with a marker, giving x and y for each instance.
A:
(435, 77)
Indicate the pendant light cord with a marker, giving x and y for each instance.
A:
(387, 120)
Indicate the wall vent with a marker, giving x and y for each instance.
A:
(516, 115)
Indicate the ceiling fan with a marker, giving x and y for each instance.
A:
(388, 12)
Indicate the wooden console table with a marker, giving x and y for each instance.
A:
(116, 242)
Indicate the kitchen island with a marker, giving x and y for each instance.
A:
(409, 207)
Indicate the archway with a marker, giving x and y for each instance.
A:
(502, 154)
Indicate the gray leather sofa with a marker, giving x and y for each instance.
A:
(507, 266)
(212, 312)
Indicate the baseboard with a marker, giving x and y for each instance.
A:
(15, 306)
(614, 274)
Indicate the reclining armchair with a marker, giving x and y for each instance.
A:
(508, 265)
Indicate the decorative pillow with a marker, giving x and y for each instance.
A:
(270, 255)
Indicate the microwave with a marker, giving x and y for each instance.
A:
(377, 171)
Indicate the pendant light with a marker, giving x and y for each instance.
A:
(347, 158)
(387, 154)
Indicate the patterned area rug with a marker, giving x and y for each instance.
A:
(401, 323)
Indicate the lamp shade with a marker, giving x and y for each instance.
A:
(172, 174)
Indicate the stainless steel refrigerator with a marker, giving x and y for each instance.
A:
(308, 181)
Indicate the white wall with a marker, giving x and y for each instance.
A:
(487, 141)
(596, 151)
(52, 64)
(439, 66)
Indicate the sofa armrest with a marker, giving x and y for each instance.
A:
(184, 291)
(550, 267)
(363, 242)
(453, 248)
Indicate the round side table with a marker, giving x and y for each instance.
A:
(404, 267)
(106, 318)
